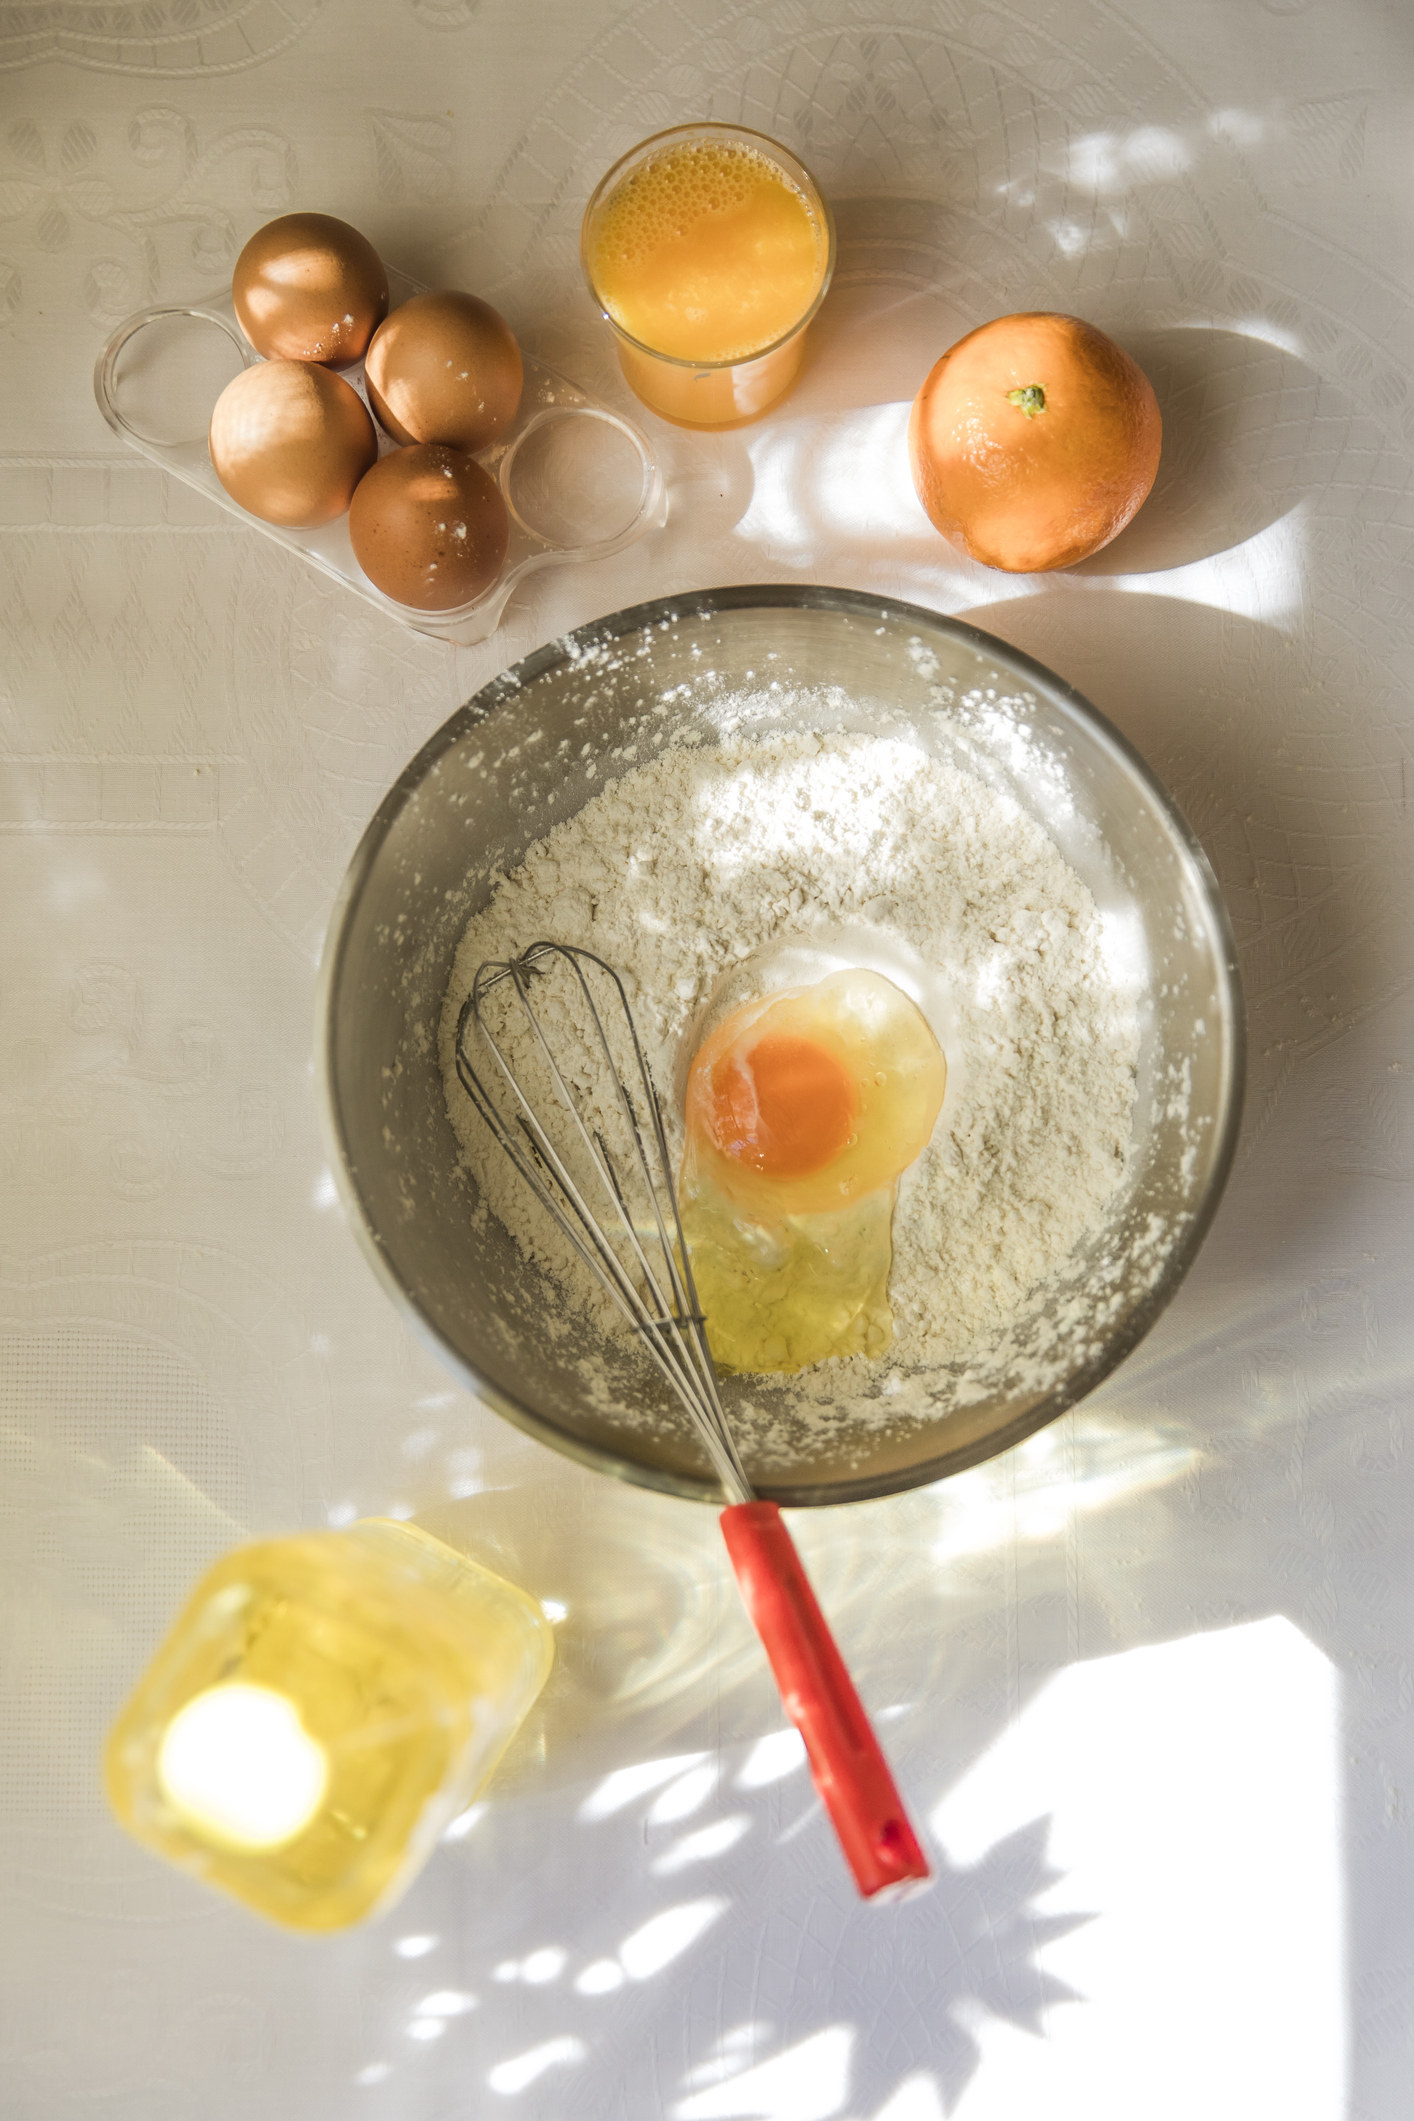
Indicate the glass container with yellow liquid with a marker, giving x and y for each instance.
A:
(709, 249)
(322, 1709)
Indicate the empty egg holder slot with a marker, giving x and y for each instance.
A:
(548, 397)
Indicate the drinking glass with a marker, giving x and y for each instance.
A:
(693, 385)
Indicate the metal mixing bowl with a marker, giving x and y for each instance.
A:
(530, 750)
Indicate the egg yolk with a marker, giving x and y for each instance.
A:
(786, 1107)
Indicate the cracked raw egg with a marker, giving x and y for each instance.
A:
(429, 528)
(802, 1111)
(445, 368)
(309, 288)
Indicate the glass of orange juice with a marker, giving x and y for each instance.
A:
(709, 249)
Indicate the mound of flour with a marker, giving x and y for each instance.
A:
(687, 865)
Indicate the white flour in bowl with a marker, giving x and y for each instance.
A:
(703, 857)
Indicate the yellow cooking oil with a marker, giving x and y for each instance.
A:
(322, 1708)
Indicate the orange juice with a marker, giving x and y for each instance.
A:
(708, 249)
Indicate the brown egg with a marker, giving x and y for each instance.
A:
(445, 368)
(290, 442)
(310, 288)
(429, 527)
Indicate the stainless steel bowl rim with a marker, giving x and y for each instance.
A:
(501, 691)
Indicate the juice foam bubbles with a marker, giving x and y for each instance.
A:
(707, 252)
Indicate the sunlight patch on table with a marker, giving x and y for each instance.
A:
(809, 2082)
(1193, 1800)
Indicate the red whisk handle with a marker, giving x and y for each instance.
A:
(850, 1772)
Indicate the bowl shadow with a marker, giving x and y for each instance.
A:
(1236, 717)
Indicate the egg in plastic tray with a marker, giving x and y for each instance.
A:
(600, 454)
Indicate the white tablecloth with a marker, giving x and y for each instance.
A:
(1148, 1680)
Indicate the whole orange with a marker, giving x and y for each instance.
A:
(1034, 441)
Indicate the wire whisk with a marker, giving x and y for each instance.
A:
(616, 1204)
(659, 1299)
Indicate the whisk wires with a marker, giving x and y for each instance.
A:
(590, 1190)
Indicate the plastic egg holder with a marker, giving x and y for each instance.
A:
(562, 458)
